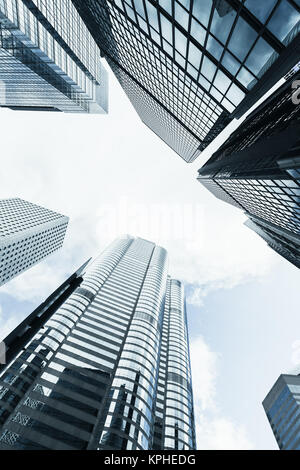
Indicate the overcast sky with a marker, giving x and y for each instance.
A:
(111, 175)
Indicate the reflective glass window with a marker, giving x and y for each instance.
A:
(214, 47)
(202, 10)
(208, 68)
(259, 56)
(181, 16)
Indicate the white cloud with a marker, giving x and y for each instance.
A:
(221, 434)
(213, 429)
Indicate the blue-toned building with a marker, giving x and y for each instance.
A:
(48, 59)
(104, 363)
(282, 406)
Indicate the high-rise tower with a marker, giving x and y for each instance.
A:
(48, 59)
(190, 66)
(110, 368)
(28, 233)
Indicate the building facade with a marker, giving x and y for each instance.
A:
(48, 59)
(258, 170)
(28, 233)
(190, 66)
(110, 368)
(282, 407)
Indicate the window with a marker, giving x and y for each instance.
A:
(259, 56)
(208, 68)
(283, 20)
(261, 10)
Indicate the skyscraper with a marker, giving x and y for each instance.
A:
(190, 66)
(24, 332)
(110, 368)
(48, 59)
(282, 406)
(28, 233)
(258, 170)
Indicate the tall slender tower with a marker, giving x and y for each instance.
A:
(110, 368)
(48, 59)
(282, 406)
(190, 66)
(28, 233)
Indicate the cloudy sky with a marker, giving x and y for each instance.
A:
(111, 175)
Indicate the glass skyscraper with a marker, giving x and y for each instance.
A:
(258, 170)
(28, 233)
(190, 66)
(109, 368)
(48, 59)
(282, 406)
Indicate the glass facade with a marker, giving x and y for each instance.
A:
(48, 59)
(186, 65)
(28, 233)
(258, 168)
(282, 406)
(110, 368)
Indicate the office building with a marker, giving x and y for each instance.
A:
(28, 233)
(109, 369)
(190, 66)
(288, 247)
(258, 170)
(48, 59)
(282, 406)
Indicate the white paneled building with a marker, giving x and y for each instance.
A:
(28, 233)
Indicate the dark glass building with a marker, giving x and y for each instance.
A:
(282, 406)
(189, 66)
(258, 170)
(106, 368)
(48, 59)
